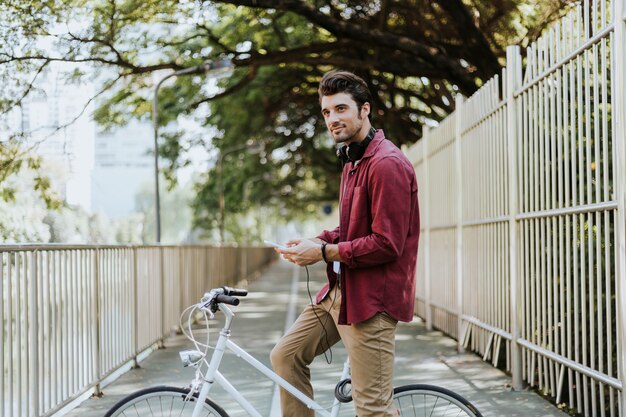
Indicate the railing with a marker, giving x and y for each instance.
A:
(75, 316)
(522, 257)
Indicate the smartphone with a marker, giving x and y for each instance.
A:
(276, 245)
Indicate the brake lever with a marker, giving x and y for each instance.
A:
(207, 305)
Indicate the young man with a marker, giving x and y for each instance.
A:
(370, 258)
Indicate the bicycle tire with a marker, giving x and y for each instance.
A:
(420, 400)
(162, 401)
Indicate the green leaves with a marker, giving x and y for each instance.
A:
(14, 163)
(416, 55)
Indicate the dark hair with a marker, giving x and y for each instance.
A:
(339, 81)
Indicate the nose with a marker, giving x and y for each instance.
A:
(332, 118)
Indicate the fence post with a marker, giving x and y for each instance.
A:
(426, 223)
(179, 281)
(135, 323)
(458, 195)
(620, 179)
(96, 325)
(33, 325)
(513, 82)
(161, 343)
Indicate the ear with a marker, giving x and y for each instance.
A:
(365, 109)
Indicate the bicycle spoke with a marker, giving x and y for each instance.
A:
(182, 409)
(431, 401)
(445, 413)
(434, 407)
(164, 402)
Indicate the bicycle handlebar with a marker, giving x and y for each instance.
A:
(227, 299)
(235, 291)
(223, 295)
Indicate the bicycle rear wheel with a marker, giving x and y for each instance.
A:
(162, 401)
(421, 400)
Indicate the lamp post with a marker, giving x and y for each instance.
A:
(254, 147)
(246, 195)
(205, 68)
(248, 183)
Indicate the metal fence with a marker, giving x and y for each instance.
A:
(74, 316)
(522, 256)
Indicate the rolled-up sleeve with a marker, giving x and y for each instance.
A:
(330, 236)
(390, 187)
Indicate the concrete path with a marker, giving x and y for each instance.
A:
(422, 356)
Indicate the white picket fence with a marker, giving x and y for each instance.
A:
(522, 256)
(75, 317)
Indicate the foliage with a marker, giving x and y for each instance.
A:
(14, 162)
(21, 217)
(415, 55)
(75, 225)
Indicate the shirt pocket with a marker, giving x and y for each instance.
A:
(359, 209)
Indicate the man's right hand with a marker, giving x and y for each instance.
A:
(302, 252)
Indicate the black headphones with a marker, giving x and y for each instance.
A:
(355, 151)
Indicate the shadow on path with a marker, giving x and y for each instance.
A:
(422, 356)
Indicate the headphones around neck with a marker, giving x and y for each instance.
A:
(355, 151)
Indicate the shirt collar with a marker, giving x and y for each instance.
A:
(374, 144)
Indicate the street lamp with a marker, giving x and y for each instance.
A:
(218, 67)
(253, 148)
(247, 185)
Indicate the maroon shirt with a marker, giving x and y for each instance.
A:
(378, 235)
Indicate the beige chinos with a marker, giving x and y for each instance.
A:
(370, 346)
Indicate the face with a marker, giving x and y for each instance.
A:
(343, 119)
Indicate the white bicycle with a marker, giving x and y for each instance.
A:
(415, 400)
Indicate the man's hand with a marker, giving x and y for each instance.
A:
(302, 252)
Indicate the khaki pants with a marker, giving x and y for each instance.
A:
(370, 346)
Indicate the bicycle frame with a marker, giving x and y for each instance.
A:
(214, 376)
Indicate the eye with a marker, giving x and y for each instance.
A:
(325, 113)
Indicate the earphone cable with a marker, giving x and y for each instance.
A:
(329, 356)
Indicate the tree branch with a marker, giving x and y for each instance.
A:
(333, 53)
(347, 29)
(247, 79)
(28, 88)
(482, 54)
(133, 69)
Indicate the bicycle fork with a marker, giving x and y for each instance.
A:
(216, 359)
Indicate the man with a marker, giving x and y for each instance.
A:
(370, 258)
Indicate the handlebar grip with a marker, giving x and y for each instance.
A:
(235, 291)
(227, 299)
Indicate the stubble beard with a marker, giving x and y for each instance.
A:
(348, 136)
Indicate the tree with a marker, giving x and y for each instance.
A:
(415, 55)
(22, 216)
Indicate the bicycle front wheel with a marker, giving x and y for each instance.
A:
(421, 400)
(163, 402)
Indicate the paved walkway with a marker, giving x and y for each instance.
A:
(422, 356)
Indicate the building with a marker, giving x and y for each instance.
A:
(124, 165)
(56, 119)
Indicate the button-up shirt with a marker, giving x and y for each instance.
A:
(377, 236)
